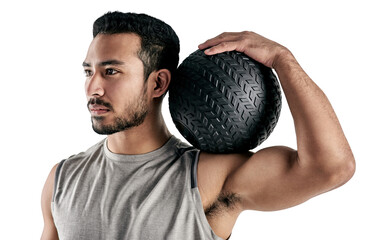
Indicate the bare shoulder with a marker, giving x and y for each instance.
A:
(46, 197)
(49, 231)
(49, 184)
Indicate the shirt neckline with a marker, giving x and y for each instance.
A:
(171, 142)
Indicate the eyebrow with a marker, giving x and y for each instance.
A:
(105, 63)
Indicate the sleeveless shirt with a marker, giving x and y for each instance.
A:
(102, 195)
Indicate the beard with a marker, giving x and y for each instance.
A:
(133, 115)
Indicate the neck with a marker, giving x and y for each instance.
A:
(147, 137)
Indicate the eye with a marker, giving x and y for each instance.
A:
(110, 71)
(87, 72)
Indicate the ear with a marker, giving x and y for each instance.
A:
(162, 80)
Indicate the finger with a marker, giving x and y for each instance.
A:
(227, 36)
(221, 47)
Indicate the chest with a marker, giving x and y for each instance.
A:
(112, 202)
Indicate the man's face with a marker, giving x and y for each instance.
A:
(115, 87)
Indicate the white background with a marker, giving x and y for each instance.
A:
(43, 115)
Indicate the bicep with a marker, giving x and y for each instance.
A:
(49, 231)
(274, 179)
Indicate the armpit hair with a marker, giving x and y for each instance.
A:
(225, 201)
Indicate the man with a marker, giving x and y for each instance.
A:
(143, 183)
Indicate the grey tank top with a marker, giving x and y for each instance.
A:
(102, 195)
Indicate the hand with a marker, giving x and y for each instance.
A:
(253, 45)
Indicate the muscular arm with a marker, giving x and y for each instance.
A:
(49, 231)
(280, 177)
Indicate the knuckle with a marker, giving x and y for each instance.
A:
(222, 35)
(247, 33)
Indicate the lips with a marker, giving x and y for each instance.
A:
(96, 109)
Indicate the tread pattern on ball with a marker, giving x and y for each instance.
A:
(225, 102)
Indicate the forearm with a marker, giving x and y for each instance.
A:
(320, 139)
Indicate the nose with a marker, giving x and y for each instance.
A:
(94, 85)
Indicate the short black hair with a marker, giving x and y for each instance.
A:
(159, 43)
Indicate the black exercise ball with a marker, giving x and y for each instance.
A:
(224, 103)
